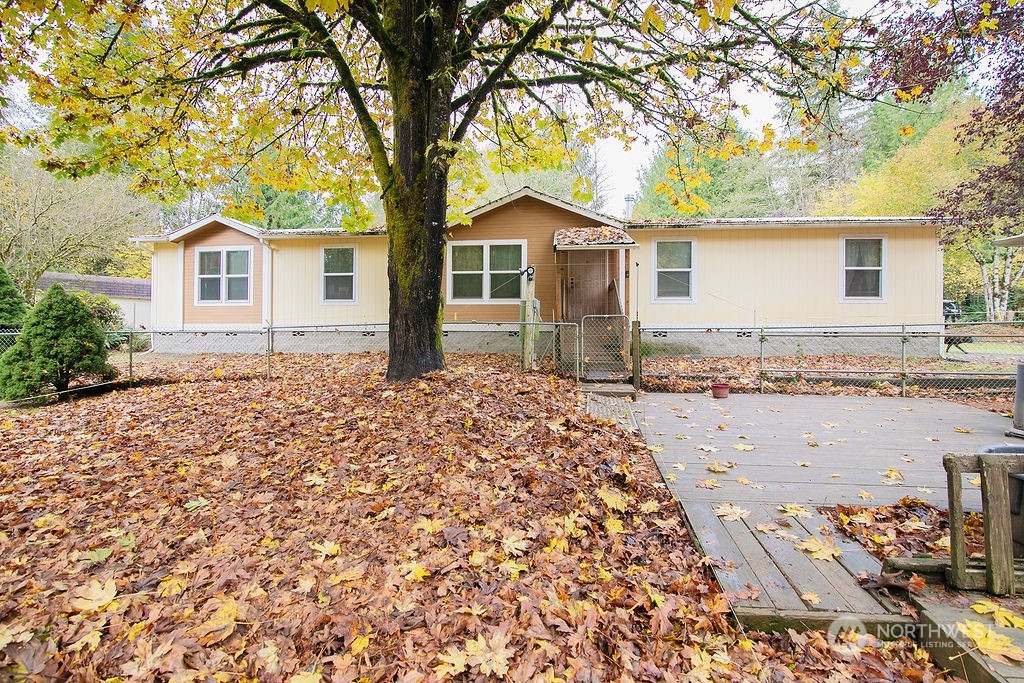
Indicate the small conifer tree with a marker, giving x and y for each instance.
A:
(12, 303)
(60, 340)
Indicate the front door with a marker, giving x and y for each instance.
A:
(586, 284)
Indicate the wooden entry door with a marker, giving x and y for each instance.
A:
(586, 284)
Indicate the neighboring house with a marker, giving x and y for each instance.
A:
(130, 294)
(222, 274)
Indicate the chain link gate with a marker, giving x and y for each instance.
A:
(604, 348)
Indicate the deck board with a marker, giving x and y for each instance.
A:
(811, 450)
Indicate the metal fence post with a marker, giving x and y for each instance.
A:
(760, 370)
(131, 358)
(903, 362)
(270, 337)
(637, 364)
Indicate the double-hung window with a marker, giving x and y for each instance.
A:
(485, 271)
(863, 259)
(673, 269)
(224, 275)
(339, 274)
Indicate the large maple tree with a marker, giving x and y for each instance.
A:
(354, 95)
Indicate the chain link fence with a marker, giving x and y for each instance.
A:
(548, 347)
(964, 357)
(903, 359)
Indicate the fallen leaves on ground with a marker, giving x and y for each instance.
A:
(999, 614)
(990, 643)
(906, 528)
(324, 525)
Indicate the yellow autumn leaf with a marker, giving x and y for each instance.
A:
(743, 446)
(906, 131)
(93, 595)
(613, 525)
(865, 495)
(417, 573)
(819, 549)
(612, 498)
(743, 480)
(703, 20)
(87, 642)
(360, 643)
(351, 573)
(306, 677)
(989, 643)
(453, 662)
(588, 49)
(490, 655)
(652, 20)
(1002, 616)
(730, 512)
(220, 625)
(794, 510)
(811, 598)
(430, 526)
(328, 548)
(650, 506)
(170, 586)
(962, 430)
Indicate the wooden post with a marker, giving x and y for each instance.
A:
(995, 501)
(957, 551)
(529, 318)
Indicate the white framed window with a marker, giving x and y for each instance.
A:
(673, 270)
(338, 274)
(224, 275)
(485, 271)
(863, 268)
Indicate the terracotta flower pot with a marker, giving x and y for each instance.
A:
(719, 390)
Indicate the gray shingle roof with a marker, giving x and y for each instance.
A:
(114, 287)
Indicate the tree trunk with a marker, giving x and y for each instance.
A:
(416, 196)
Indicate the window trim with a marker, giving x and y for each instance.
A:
(655, 270)
(486, 244)
(324, 276)
(223, 276)
(882, 278)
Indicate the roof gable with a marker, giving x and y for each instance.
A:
(592, 217)
(202, 224)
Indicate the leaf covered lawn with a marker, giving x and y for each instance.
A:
(327, 526)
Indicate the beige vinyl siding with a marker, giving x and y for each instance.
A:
(298, 272)
(227, 315)
(523, 219)
(791, 276)
(166, 294)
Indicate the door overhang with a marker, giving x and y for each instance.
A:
(593, 237)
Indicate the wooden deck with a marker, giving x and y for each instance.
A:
(760, 452)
